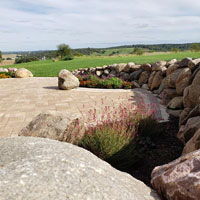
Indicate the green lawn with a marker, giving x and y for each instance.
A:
(51, 69)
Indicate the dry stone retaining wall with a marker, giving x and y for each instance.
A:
(176, 83)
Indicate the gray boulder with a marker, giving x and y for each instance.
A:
(145, 87)
(128, 67)
(23, 73)
(192, 93)
(53, 125)
(173, 61)
(184, 62)
(183, 80)
(124, 76)
(187, 131)
(176, 103)
(193, 64)
(120, 67)
(43, 169)
(193, 144)
(162, 85)
(67, 81)
(135, 75)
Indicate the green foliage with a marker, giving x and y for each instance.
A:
(6, 75)
(25, 59)
(68, 57)
(95, 82)
(138, 51)
(104, 141)
(115, 82)
(64, 50)
(195, 47)
(175, 50)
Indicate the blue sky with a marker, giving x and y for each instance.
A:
(43, 24)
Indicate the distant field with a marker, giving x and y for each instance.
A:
(9, 56)
(51, 69)
(8, 62)
(121, 51)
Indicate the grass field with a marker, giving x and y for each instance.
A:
(51, 69)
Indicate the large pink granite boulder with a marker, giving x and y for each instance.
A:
(180, 179)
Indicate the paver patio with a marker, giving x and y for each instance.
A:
(22, 99)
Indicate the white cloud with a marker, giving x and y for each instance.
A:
(43, 24)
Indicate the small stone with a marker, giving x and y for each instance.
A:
(106, 71)
(146, 67)
(99, 73)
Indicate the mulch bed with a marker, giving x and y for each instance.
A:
(165, 149)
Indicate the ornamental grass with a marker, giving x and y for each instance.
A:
(121, 134)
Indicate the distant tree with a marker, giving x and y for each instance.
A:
(195, 47)
(0, 56)
(64, 50)
(175, 50)
(138, 51)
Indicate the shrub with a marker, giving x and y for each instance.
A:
(175, 50)
(68, 57)
(138, 51)
(115, 82)
(25, 59)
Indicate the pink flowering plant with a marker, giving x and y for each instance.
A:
(118, 134)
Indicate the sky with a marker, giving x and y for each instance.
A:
(43, 24)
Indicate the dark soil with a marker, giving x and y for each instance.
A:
(163, 149)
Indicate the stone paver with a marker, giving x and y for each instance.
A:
(22, 99)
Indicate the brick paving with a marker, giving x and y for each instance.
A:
(22, 99)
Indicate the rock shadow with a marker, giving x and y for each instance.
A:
(51, 88)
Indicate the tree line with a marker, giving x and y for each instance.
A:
(64, 52)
